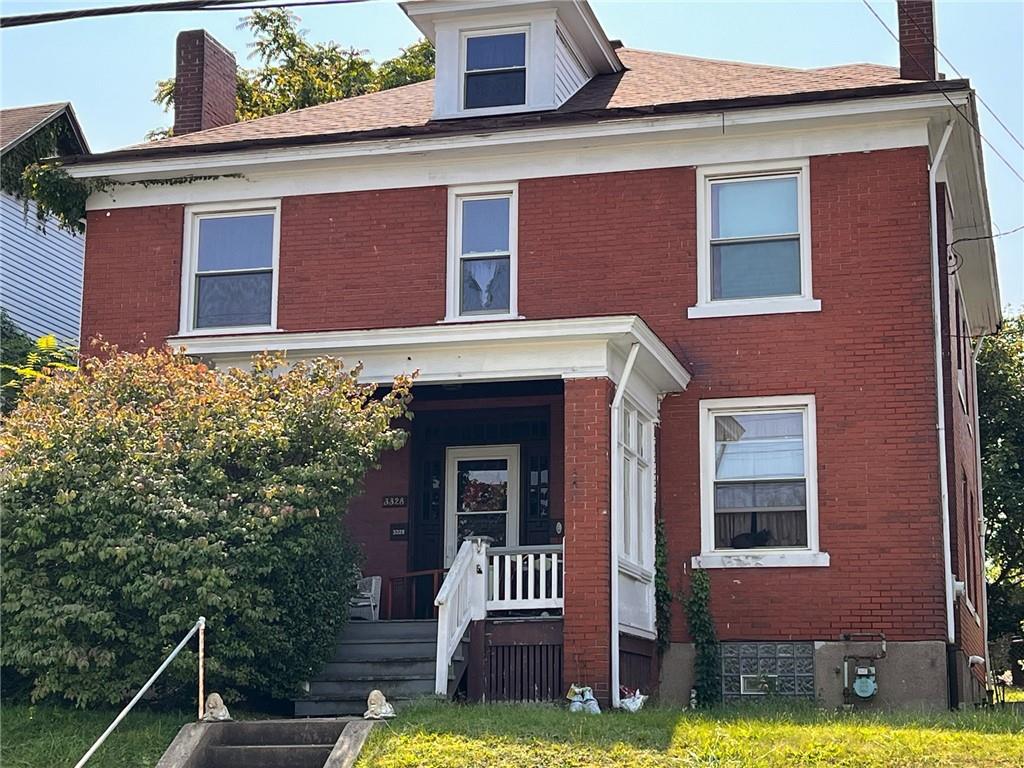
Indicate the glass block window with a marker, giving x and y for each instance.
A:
(753, 669)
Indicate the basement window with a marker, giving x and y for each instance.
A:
(494, 69)
(230, 276)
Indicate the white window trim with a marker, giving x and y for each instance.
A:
(776, 556)
(705, 306)
(464, 36)
(190, 258)
(640, 562)
(454, 276)
(453, 455)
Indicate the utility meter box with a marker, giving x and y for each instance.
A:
(865, 684)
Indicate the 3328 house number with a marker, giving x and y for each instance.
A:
(395, 501)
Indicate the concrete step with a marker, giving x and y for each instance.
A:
(389, 630)
(384, 669)
(381, 650)
(359, 689)
(268, 756)
(238, 733)
(331, 706)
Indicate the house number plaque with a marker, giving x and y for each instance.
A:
(395, 501)
(399, 532)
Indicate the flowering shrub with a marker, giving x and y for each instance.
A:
(148, 490)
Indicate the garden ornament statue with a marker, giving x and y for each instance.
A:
(378, 707)
(215, 709)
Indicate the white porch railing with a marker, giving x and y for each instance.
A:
(483, 580)
(525, 578)
(460, 600)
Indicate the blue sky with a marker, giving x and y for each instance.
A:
(108, 66)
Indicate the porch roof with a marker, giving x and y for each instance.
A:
(503, 350)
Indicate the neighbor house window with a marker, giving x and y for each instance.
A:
(494, 69)
(482, 253)
(754, 241)
(230, 280)
(759, 485)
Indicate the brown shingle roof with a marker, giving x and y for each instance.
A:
(17, 122)
(649, 81)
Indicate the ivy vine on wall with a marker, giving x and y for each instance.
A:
(705, 641)
(662, 589)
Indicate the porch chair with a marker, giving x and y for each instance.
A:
(365, 604)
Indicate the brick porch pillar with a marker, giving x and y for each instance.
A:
(587, 614)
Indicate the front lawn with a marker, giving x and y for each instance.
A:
(56, 737)
(435, 735)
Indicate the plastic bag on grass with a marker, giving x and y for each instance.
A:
(581, 699)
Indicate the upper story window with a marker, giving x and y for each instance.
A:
(230, 276)
(753, 250)
(482, 253)
(494, 69)
(759, 481)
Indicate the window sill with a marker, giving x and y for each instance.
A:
(479, 319)
(753, 307)
(242, 329)
(755, 559)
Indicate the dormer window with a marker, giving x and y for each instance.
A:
(494, 69)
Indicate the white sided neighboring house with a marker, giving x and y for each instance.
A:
(40, 268)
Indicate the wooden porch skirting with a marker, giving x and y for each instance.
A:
(515, 660)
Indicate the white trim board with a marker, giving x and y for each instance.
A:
(501, 350)
(488, 163)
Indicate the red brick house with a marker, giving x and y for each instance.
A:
(736, 298)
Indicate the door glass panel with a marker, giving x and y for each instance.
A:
(492, 525)
(482, 486)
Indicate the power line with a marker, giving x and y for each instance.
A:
(967, 120)
(960, 74)
(987, 237)
(169, 6)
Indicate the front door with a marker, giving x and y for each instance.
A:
(481, 496)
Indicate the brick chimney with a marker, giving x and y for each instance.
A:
(204, 83)
(917, 37)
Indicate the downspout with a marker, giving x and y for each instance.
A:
(981, 502)
(616, 513)
(940, 399)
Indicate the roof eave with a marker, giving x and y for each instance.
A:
(546, 119)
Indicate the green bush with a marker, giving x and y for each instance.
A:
(149, 490)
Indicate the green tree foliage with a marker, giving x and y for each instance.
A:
(149, 490)
(1001, 416)
(293, 73)
(705, 641)
(30, 361)
(15, 345)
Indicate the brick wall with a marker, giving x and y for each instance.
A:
(204, 83)
(587, 622)
(132, 279)
(917, 31)
(625, 243)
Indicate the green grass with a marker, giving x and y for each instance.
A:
(432, 735)
(56, 737)
(435, 735)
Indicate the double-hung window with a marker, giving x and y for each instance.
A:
(482, 253)
(759, 482)
(753, 240)
(494, 69)
(230, 268)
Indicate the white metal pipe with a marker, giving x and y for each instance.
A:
(110, 728)
(616, 513)
(940, 401)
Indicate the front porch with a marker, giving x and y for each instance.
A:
(520, 515)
